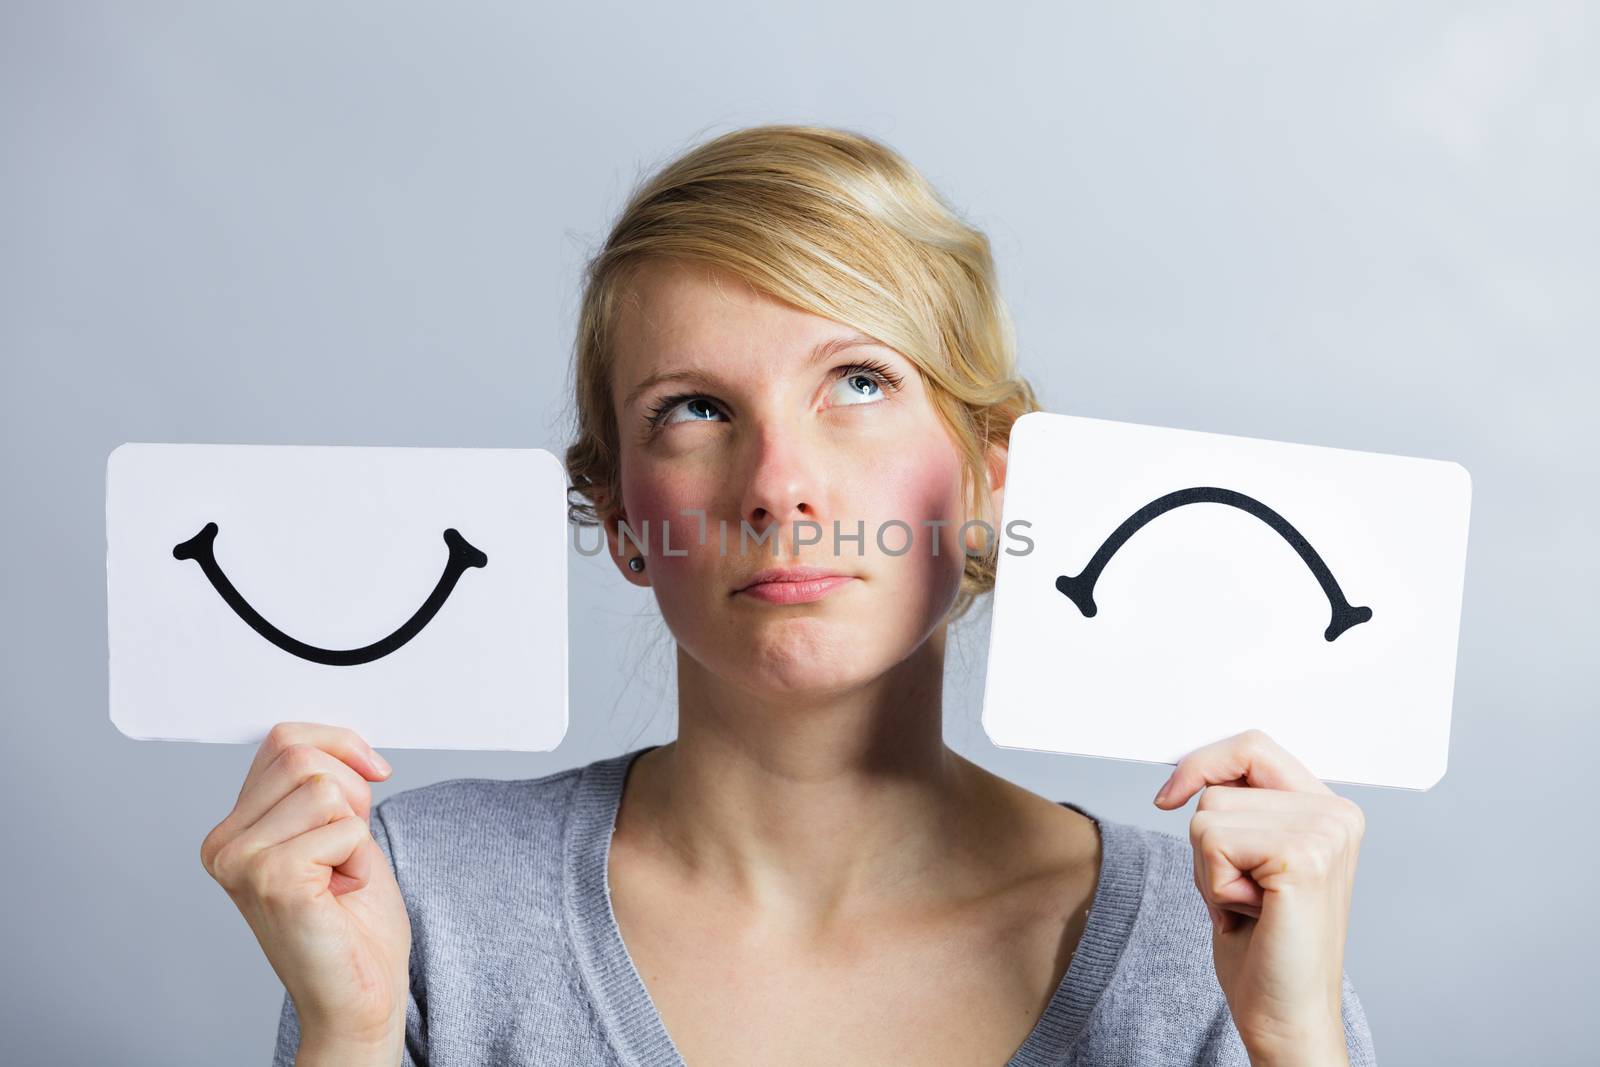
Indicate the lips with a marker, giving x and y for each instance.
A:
(790, 574)
(794, 585)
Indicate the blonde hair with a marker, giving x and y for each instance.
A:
(836, 224)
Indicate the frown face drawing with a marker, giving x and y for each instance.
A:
(1079, 588)
(1140, 627)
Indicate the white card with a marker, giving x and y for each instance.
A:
(416, 595)
(1209, 584)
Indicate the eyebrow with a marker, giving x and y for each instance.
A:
(819, 352)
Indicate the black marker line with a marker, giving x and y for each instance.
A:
(462, 555)
(1080, 588)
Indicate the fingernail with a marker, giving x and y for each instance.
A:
(381, 763)
(1166, 788)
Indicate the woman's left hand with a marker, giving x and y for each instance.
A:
(1275, 859)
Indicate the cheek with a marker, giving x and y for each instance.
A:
(914, 485)
(658, 495)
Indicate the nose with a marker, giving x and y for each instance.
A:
(782, 489)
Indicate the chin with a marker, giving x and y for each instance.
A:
(789, 659)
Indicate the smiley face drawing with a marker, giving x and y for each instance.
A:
(463, 555)
(323, 550)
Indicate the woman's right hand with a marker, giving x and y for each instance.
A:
(297, 856)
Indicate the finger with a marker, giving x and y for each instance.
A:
(1250, 757)
(1227, 915)
(267, 786)
(1329, 826)
(1295, 860)
(1332, 824)
(1245, 798)
(245, 861)
(318, 801)
(297, 867)
(295, 767)
(315, 804)
(1234, 848)
(1219, 884)
(339, 741)
(356, 868)
(285, 774)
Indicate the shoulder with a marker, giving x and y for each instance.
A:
(457, 836)
(1170, 890)
(1149, 952)
(1169, 937)
(459, 803)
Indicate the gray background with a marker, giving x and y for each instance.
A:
(1371, 226)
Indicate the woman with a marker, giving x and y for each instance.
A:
(789, 333)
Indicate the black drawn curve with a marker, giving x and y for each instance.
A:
(1079, 588)
(462, 555)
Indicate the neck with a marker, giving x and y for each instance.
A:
(811, 807)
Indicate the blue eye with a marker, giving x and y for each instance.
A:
(874, 382)
(658, 414)
(880, 375)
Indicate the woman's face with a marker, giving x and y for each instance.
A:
(722, 406)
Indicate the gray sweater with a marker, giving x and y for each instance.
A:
(517, 960)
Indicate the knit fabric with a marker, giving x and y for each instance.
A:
(517, 959)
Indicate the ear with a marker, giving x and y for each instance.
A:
(996, 459)
(623, 549)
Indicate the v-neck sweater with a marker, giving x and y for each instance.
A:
(517, 959)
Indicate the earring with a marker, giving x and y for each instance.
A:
(636, 563)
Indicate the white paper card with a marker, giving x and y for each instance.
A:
(416, 595)
(1161, 589)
